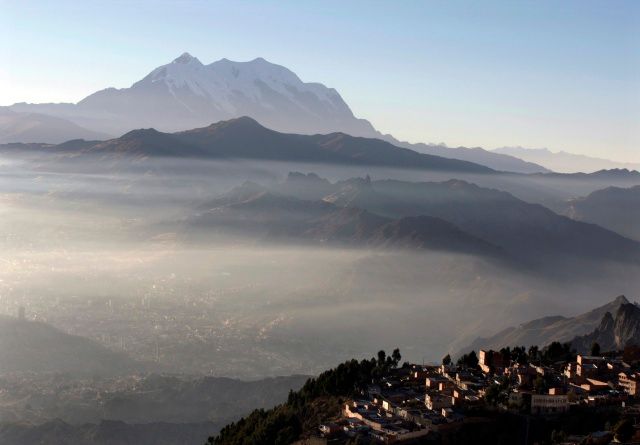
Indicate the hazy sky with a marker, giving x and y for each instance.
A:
(563, 75)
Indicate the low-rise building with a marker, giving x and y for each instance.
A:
(549, 403)
(436, 402)
(629, 382)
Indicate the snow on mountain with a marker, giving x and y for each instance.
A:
(186, 94)
(224, 82)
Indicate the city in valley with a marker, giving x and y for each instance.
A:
(216, 217)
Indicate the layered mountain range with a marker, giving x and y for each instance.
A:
(186, 93)
(453, 215)
(562, 161)
(254, 209)
(244, 138)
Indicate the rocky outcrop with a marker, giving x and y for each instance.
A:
(614, 332)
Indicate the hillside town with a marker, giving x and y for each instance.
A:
(421, 404)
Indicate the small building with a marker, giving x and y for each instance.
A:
(629, 382)
(488, 360)
(436, 402)
(549, 403)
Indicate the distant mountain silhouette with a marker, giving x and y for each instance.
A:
(28, 346)
(254, 209)
(613, 173)
(185, 94)
(492, 159)
(40, 128)
(562, 161)
(615, 208)
(527, 231)
(244, 138)
(399, 211)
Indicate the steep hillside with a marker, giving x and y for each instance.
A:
(41, 128)
(27, 346)
(615, 208)
(107, 432)
(543, 331)
(617, 329)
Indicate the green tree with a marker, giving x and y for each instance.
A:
(446, 360)
(395, 355)
(382, 358)
(469, 360)
(595, 348)
(539, 385)
(557, 351)
(285, 423)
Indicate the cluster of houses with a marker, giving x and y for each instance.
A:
(415, 401)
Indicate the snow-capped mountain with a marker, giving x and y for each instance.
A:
(185, 94)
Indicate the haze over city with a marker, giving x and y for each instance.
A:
(319, 223)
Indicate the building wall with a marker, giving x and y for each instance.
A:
(546, 404)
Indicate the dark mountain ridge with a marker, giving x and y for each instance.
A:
(391, 213)
(29, 345)
(244, 138)
(615, 208)
(255, 209)
(523, 230)
(617, 329)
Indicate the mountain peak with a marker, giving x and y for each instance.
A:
(186, 58)
(140, 132)
(621, 300)
(244, 122)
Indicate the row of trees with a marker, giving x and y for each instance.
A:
(555, 352)
(315, 401)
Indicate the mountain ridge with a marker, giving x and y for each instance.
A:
(615, 208)
(543, 331)
(564, 162)
(252, 208)
(186, 94)
(615, 332)
(245, 138)
(30, 345)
